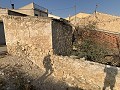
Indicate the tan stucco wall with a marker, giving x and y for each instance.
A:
(79, 15)
(29, 12)
(54, 16)
(29, 6)
(3, 12)
(28, 9)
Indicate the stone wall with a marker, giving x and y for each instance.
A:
(62, 37)
(22, 32)
(85, 74)
(77, 72)
(3, 11)
(43, 34)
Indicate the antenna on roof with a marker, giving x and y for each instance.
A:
(75, 13)
(96, 8)
(12, 5)
(75, 7)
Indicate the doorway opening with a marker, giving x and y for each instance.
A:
(3, 48)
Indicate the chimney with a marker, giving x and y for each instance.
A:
(12, 5)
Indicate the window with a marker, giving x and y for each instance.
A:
(36, 14)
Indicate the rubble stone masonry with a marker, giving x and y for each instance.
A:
(37, 33)
(30, 32)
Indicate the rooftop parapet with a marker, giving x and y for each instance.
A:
(40, 8)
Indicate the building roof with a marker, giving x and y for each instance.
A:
(34, 6)
(54, 16)
(79, 15)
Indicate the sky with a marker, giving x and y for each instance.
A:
(64, 8)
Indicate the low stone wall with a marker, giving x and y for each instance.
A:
(83, 74)
(76, 72)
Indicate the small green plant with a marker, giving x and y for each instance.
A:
(92, 50)
(87, 44)
(88, 48)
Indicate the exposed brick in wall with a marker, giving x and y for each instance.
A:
(106, 39)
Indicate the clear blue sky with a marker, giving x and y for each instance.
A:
(65, 8)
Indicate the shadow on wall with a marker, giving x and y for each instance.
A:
(47, 82)
(110, 78)
(44, 79)
(48, 64)
(48, 68)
